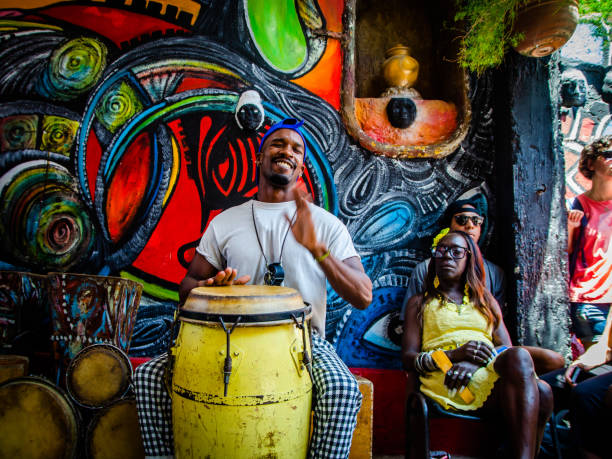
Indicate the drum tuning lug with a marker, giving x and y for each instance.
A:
(236, 353)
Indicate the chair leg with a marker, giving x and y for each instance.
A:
(417, 423)
(555, 433)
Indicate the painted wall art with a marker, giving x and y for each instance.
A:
(121, 138)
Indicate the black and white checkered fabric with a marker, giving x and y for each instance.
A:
(336, 402)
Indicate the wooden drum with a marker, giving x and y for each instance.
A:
(114, 432)
(240, 384)
(37, 420)
(98, 375)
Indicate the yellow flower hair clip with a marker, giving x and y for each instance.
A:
(439, 236)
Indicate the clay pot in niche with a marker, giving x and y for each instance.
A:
(546, 25)
(400, 69)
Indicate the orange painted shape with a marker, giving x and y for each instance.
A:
(324, 79)
(586, 129)
(127, 188)
(435, 121)
(113, 23)
(332, 11)
(566, 123)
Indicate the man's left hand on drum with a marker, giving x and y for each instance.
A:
(225, 277)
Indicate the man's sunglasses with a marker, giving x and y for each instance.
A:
(463, 219)
(454, 251)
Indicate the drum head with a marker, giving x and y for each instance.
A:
(114, 432)
(243, 299)
(98, 375)
(36, 420)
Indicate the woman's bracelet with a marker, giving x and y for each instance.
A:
(424, 363)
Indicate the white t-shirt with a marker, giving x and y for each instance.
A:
(231, 240)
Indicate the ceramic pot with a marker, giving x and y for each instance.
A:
(546, 25)
(400, 69)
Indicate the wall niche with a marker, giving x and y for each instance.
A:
(384, 107)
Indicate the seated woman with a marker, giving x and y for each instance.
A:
(458, 316)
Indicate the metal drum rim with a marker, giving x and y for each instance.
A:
(191, 316)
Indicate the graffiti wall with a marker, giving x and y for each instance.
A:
(586, 93)
(121, 138)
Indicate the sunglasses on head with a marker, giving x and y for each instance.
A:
(456, 252)
(292, 122)
(463, 219)
(606, 154)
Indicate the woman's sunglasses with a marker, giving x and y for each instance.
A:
(463, 219)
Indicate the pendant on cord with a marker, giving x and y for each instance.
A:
(275, 274)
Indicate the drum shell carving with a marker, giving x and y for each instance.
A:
(266, 412)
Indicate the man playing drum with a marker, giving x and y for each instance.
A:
(277, 237)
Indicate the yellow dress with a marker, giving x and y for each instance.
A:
(448, 326)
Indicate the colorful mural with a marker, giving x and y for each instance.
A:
(586, 94)
(119, 142)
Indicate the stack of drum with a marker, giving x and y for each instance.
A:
(94, 417)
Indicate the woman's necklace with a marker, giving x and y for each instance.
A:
(275, 274)
(466, 300)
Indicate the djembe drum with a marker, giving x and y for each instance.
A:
(98, 375)
(240, 382)
(114, 432)
(37, 420)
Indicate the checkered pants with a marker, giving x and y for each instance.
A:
(336, 402)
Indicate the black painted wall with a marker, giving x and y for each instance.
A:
(530, 187)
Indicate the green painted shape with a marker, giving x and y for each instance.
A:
(277, 33)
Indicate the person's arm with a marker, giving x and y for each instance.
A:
(574, 217)
(598, 354)
(415, 284)
(347, 277)
(497, 280)
(411, 338)
(201, 273)
(501, 336)
(478, 352)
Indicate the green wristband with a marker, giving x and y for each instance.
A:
(322, 257)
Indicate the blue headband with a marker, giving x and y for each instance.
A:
(287, 123)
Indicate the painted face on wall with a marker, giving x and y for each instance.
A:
(281, 159)
(401, 112)
(573, 88)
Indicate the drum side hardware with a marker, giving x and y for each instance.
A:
(305, 356)
(297, 353)
(227, 366)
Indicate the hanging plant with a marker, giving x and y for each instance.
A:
(493, 26)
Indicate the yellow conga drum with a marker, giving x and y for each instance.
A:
(241, 384)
